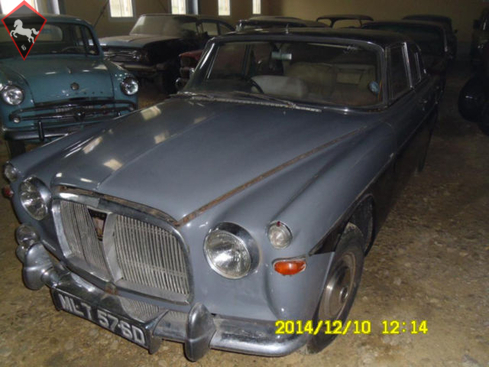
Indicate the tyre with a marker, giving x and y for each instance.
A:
(341, 285)
(15, 148)
(484, 121)
(472, 98)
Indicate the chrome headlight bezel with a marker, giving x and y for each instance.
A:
(34, 190)
(10, 172)
(13, 95)
(231, 237)
(130, 86)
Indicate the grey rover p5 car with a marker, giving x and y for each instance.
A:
(251, 196)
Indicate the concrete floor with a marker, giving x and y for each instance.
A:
(430, 262)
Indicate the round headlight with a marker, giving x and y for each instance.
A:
(279, 235)
(35, 198)
(10, 172)
(229, 254)
(13, 95)
(130, 86)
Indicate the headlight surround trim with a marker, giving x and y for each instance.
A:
(243, 244)
(130, 86)
(32, 190)
(13, 95)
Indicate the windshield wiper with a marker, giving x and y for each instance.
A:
(208, 96)
(266, 97)
(235, 98)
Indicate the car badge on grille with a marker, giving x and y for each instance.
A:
(75, 86)
(98, 219)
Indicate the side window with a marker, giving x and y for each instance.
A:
(224, 28)
(227, 60)
(210, 28)
(414, 65)
(398, 77)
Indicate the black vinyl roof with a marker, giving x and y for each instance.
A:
(381, 38)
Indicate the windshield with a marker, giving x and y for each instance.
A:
(430, 40)
(165, 26)
(340, 74)
(56, 38)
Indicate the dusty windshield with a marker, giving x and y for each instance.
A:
(165, 26)
(340, 74)
(59, 38)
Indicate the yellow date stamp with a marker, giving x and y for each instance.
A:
(338, 327)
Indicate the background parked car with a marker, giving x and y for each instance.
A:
(152, 47)
(430, 37)
(63, 85)
(473, 100)
(447, 23)
(264, 22)
(344, 20)
(188, 62)
(480, 36)
(251, 197)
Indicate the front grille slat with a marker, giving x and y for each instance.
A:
(146, 255)
(82, 237)
(136, 261)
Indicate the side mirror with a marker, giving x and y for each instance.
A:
(477, 24)
(180, 83)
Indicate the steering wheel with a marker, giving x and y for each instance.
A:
(256, 85)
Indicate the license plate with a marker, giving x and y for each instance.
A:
(119, 326)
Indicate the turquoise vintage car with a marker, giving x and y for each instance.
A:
(63, 85)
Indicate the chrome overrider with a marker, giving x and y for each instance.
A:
(199, 330)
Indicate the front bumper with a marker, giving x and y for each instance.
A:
(199, 330)
(55, 119)
(40, 132)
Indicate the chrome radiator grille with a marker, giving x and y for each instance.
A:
(126, 251)
(81, 236)
(121, 54)
(157, 260)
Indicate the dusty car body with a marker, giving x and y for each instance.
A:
(151, 49)
(345, 20)
(447, 23)
(250, 197)
(65, 84)
(264, 22)
(430, 37)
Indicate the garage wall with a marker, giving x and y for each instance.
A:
(240, 9)
(90, 10)
(462, 12)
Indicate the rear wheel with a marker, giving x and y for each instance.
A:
(341, 285)
(15, 148)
